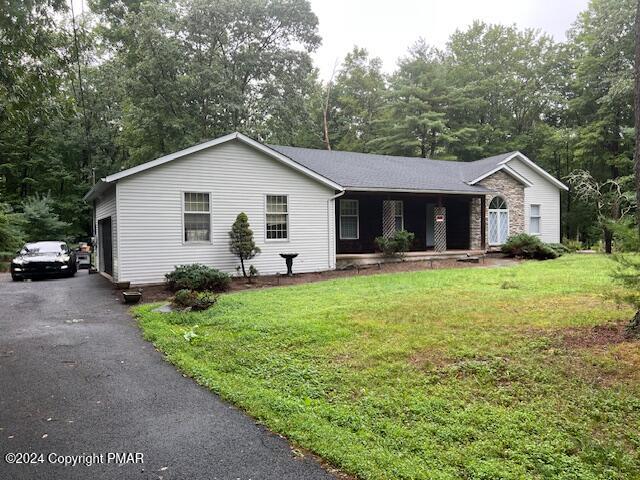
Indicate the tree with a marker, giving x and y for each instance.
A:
(30, 65)
(628, 273)
(612, 199)
(502, 84)
(414, 122)
(357, 100)
(241, 240)
(11, 234)
(600, 96)
(637, 122)
(40, 220)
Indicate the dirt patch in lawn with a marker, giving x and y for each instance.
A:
(430, 359)
(597, 336)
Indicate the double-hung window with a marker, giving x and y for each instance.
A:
(197, 217)
(349, 219)
(399, 215)
(277, 217)
(534, 220)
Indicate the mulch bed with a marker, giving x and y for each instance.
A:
(157, 293)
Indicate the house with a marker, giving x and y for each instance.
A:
(327, 206)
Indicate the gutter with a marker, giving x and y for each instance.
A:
(329, 200)
(481, 191)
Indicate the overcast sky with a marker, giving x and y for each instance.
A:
(386, 28)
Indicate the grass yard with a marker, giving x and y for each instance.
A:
(444, 374)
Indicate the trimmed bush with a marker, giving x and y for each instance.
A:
(198, 277)
(241, 243)
(529, 246)
(397, 245)
(196, 301)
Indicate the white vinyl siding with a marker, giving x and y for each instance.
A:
(106, 206)
(349, 219)
(545, 194)
(238, 178)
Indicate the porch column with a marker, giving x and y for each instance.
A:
(475, 224)
(483, 224)
(440, 229)
(388, 218)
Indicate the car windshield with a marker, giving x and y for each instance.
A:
(43, 248)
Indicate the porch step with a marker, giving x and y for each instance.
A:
(348, 261)
(470, 259)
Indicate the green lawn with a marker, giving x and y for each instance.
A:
(439, 374)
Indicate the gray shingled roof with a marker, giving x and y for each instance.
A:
(364, 170)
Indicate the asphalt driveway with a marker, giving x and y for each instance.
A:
(77, 378)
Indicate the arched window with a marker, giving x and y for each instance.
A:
(498, 221)
(498, 203)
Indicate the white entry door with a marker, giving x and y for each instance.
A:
(498, 221)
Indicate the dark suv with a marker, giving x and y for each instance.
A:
(41, 259)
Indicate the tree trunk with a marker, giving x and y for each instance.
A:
(608, 241)
(637, 115)
(244, 272)
(633, 329)
(325, 112)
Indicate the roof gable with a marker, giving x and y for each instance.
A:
(103, 184)
(487, 166)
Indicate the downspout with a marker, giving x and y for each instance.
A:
(329, 200)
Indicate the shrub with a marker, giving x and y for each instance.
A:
(196, 301)
(397, 245)
(528, 246)
(198, 277)
(559, 248)
(184, 298)
(572, 245)
(253, 272)
(241, 241)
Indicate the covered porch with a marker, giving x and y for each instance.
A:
(444, 225)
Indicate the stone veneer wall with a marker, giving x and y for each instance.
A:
(475, 224)
(513, 192)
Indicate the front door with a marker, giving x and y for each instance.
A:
(106, 248)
